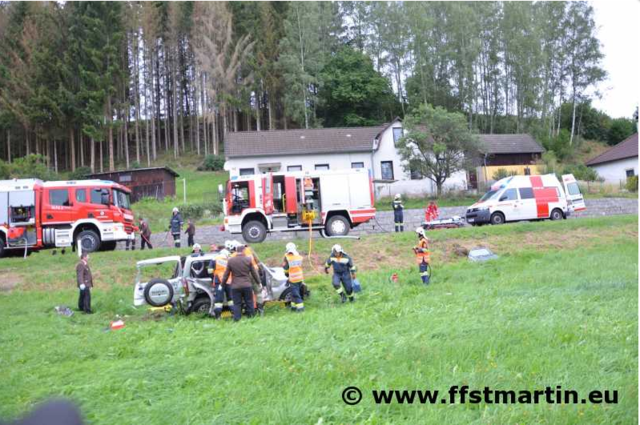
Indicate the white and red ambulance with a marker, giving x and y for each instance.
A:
(518, 198)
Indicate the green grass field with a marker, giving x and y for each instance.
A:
(560, 307)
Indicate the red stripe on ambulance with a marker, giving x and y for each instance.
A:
(543, 196)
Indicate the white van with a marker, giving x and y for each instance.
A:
(527, 198)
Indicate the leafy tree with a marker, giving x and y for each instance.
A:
(437, 144)
(581, 172)
(353, 93)
(620, 129)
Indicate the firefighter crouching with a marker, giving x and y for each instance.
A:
(292, 265)
(398, 213)
(422, 255)
(343, 273)
(217, 268)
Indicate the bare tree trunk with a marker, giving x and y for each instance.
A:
(197, 120)
(176, 141)
(146, 126)
(272, 125)
(573, 119)
(93, 155)
(73, 149)
(108, 112)
(9, 145)
(55, 156)
(81, 140)
(216, 137)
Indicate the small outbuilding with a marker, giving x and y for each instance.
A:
(619, 163)
(154, 182)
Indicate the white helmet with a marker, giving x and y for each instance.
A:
(175, 209)
(337, 249)
(291, 247)
(420, 231)
(228, 245)
(397, 196)
(225, 253)
(197, 246)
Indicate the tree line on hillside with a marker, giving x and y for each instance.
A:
(92, 84)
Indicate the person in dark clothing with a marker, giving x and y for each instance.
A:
(175, 227)
(398, 213)
(191, 232)
(145, 234)
(85, 283)
(343, 273)
(242, 270)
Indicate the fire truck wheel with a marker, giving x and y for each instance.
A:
(90, 241)
(254, 232)
(337, 226)
(2, 242)
(497, 218)
(556, 214)
(158, 292)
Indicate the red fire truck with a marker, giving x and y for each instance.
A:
(36, 214)
(330, 201)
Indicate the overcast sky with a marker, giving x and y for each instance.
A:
(618, 23)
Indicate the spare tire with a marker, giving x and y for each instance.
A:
(158, 292)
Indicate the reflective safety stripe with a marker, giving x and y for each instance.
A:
(295, 268)
(339, 290)
(424, 274)
(300, 306)
(230, 303)
(341, 260)
(217, 305)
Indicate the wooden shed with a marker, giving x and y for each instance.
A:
(154, 182)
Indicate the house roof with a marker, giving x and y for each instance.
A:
(136, 170)
(509, 143)
(311, 141)
(628, 148)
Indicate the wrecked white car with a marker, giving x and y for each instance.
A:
(186, 282)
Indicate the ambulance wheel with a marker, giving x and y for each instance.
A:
(202, 305)
(497, 218)
(89, 240)
(337, 226)
(254, 232)
(556, 214)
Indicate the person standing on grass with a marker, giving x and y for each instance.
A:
(242, 270)
(422, 255)
(292, 265)
(191, 232)
(175, 226)
(343, 273)
(145, 234)
(398, 213)
(85, 283)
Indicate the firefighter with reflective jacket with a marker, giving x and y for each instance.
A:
(422, 255)
(256, 286)
(217, 267)
(398, 215)
(292, 265)
(343, 273)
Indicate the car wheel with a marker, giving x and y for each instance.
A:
(89, 240)
(556, 215)
(202, 305)
(337, 226)
(254, 232)
(109, 246)
(158, 292)
(497, 218)
(286, 296)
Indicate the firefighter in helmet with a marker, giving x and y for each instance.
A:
(217, 268)
(422, 255)
(292, 265)
(343, 273)
(398, 215)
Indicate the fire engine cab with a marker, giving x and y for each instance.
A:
(329, 201)
(36, 214)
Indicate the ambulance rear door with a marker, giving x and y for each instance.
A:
(575, 200)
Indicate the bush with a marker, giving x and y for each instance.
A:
(80, 173)
(135, 165)
(212, 163)
(632, 184)
(581, 172)
(559, 144)
(31, 167)
(196, 211)
(501, 173)
(5, 171)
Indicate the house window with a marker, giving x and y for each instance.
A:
(294, 168)
(247, 171)
(415, 173)
(630, 172)
(357, 165)
(527, 171)
(125, 178)
(397, 134)
(81, 195)
(59, 197)
(386, 168)
(322, 166)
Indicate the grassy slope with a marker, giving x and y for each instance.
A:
(538, 316)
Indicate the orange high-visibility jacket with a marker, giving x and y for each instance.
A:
(292, 266)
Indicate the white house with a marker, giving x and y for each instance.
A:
(251, 152)
(618, 163)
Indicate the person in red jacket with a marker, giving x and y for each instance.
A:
(431, 213)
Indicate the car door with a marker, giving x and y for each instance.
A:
(575, 200)
(508, 204)
(527, 209)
